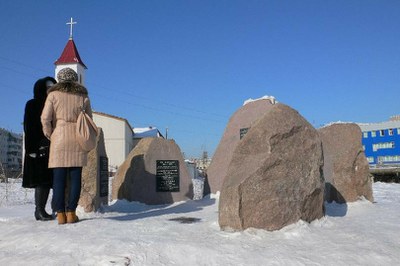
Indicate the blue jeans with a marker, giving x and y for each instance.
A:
(62, 176)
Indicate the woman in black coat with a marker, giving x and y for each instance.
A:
(36, 173)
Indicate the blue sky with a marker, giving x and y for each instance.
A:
(189, 65)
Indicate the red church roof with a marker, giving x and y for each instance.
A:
(70, 55)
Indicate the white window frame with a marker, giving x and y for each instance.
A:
(383, 145)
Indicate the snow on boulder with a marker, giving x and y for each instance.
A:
(266, 97)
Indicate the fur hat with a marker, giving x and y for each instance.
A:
(67, 74)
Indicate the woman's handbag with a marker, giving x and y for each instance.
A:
(86, 130)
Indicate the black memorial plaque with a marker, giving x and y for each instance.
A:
(167, 176)
(243, 132)
(103, 176)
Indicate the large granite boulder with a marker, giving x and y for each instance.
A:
(275, 176)
(238, 124)
(94, 191)
(153, 173)
(346, 168)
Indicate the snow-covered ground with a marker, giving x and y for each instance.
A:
(360, 233)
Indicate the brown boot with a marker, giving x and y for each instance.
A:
(71, 217)
(62, 219)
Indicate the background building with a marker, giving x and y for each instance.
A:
(145, 132)
(10, 151)
(381, 142)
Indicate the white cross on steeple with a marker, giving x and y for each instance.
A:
(71, 23)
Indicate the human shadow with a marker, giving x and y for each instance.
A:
(335, 204)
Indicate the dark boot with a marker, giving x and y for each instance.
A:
(41, 196)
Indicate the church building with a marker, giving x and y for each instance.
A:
(119, 136)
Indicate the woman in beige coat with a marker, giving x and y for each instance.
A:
(60, 112)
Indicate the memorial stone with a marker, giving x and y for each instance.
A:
(346, 168)
(153, 173)
(94, 192)
(275, 175)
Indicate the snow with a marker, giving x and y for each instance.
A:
(337, 122)
(131, 233)
(265, 97)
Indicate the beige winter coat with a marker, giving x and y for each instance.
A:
(58, 118)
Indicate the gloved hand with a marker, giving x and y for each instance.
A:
(43, 151)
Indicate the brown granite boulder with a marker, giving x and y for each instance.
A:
(346, 168)
(148, 175)
(275, 176)
(94, 192)
(240, 121)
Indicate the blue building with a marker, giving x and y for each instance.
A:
(381, 142)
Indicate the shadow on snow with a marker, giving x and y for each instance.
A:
(137, 210)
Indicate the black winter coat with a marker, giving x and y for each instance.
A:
(36, 171)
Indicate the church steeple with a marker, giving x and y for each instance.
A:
(70, 57)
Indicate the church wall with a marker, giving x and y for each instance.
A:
(114, 138)
(129, 140)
